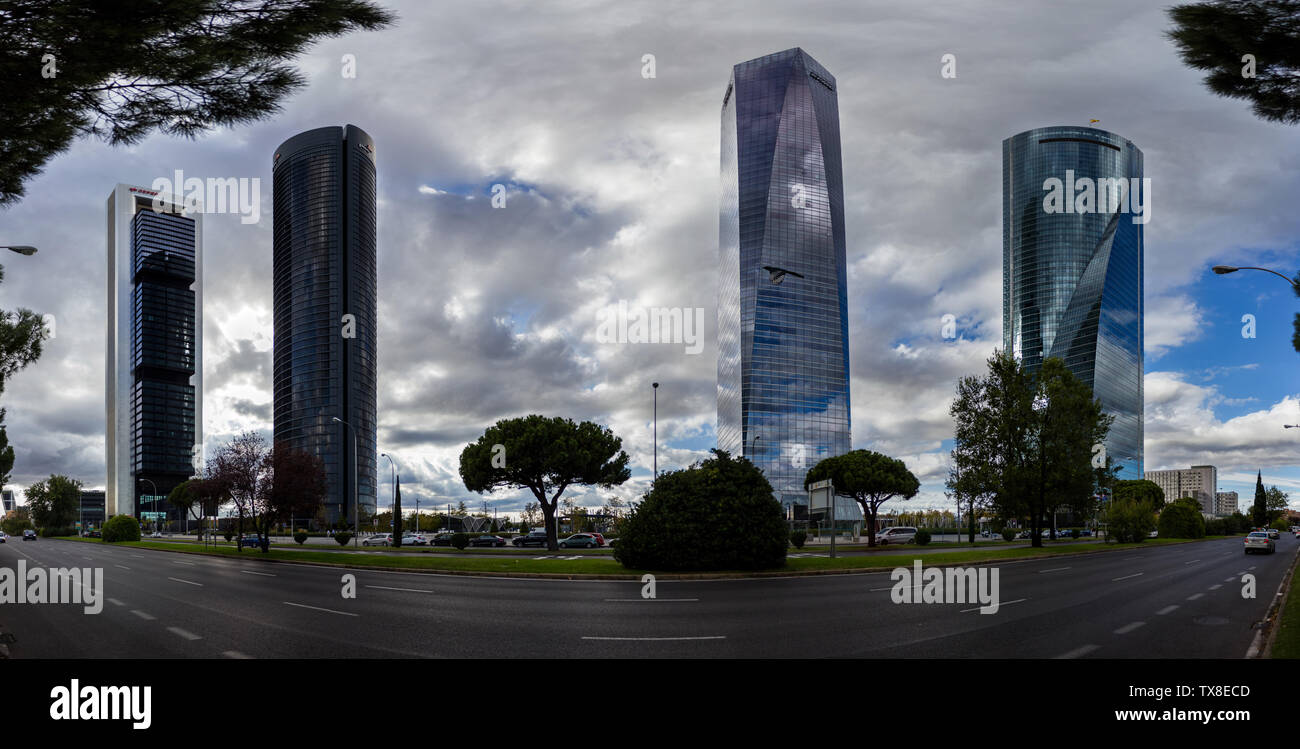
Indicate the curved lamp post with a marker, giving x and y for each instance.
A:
(1224, 270)
(21, 249)
(356, 484)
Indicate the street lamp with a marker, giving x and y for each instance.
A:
(22, 249)
(1291, 426)
(655, 385)
(356, 484)
(392, 502)
(1224, 270)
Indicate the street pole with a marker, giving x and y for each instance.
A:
(392, 503)
(655, 385)
(356, 485)
(154, 499)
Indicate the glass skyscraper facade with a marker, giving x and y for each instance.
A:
(783, 359)
(154, 349)
(1072, 268)
(324, 306)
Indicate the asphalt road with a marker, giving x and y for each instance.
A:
(1179, 601)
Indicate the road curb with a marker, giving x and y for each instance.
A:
(658, 576)
(1262, 645)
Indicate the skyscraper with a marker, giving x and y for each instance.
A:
(325, 300)
(1073, 209)
(154, 362)
(783, 359)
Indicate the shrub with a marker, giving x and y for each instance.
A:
(460, 540)
(343, 538)
(229, 534)
(1129, 520)
(1182, 520)
(716, 515)
(798, 539)
(121, 528)
(1008, 534)
(300, 537)
(922, 537)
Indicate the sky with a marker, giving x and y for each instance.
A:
(611, 187)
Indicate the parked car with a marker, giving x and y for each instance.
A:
(487, 539)
(156, 534)
(379, 539)
(1260, 541)
(599, 538)
(532, 538)
(442, 539)
(414, 539)
(584, 540)
(29, 535)
(896, 535)
(252, 539)
(2, 537)
(94, 534)
(1085, 533)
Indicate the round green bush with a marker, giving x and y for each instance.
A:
(229, 534)
(300, 537)
(798, 539)
(121, 528)
(343, 538)
(1181, 520)
(460, 540)
(922, 537)
(1008, 534)
(716, 515)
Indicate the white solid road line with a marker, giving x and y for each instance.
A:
(183, 633)
(142, 615)
(1054, 569)
(251, 572)
(318, 608)
(188, 564)
(1129, 628)
(1126, 577)
(1167, 610)
(657, 639)
(1077, 652)
(663, 600)
(187, 582)
(405, 590)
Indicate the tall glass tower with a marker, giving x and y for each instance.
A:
(154, 352)
(324, 307)
(783, 358)
(1072, 268)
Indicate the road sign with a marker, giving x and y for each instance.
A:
(153, 516)
(820, 495)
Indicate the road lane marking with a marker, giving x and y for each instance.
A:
(123, 566)
(1194, 561)
(1127, 577)
(1195, 596)
(1054, 569)
(142, 615)
(1216, 586)
(1077, 652)
(235, 654)
(116, 602)
(407, 590)
(183, 634)
(1129, 628)
(318, 608)
(657, 639)
(1229, 579)
(1167, 609)
(627, 600)
(251, 572)
(187, 582)
(1000, 603)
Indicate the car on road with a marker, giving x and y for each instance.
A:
(29, 535)
(1259, 541)
(532, 538)
(414, 539)
(380, 539)
(583, 540)
(1273, 534)
(487, 539)
(442, 539)
(252, 539)
(901, 534)
(156, 534)
(2, 537)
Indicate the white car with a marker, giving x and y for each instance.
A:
(383, 539)
(896, 535)
(414, 539)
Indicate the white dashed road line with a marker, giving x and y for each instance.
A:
(1216, 586)
(251, 572)
(1054, 569)
(1167, 609)
(1000, 603)
(1195, 596)
(187, 582)
(183, 633)
(318, 608)
(663, 600)
(236, 655)
(1077, 652)
(1129, 628)
(1127, 577)
(657, 639)
(143, 615)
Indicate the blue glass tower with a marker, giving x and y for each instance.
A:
(783, 359)
(1072, 267)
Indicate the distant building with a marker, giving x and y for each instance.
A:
(7, 498)
(1225, 503)
(1197, 482)
(91, 512)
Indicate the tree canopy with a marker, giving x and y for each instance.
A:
(546, 456)
(867, 477)
(77, 67)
